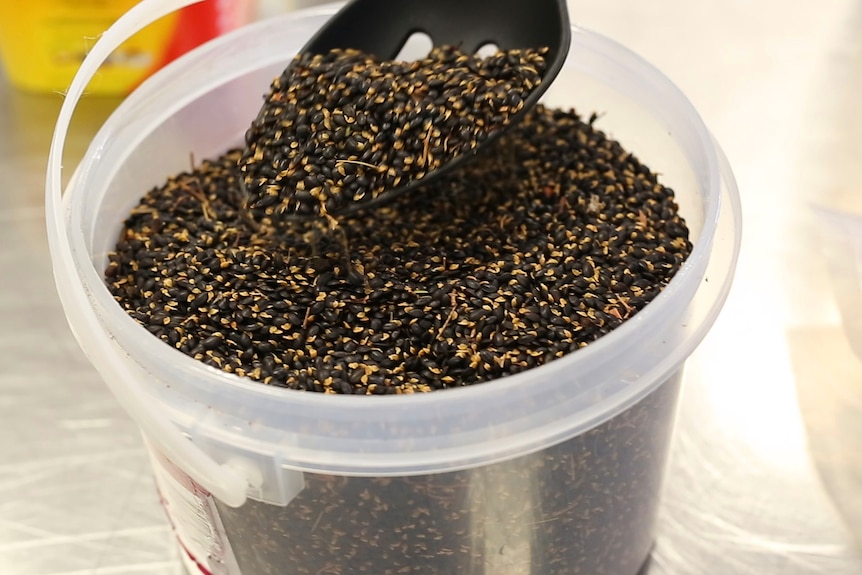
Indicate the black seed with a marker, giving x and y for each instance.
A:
(211, 342)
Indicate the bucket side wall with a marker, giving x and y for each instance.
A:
(586, 505)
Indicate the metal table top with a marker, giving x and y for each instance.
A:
(766, 467)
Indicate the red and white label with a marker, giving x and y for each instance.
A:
(194, 518)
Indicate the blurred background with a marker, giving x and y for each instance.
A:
(766, 469)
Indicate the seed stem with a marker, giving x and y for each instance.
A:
(359, 163)
(452, 315)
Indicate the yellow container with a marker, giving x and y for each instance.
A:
(43, 42)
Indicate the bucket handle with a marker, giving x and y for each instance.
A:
(228, 482)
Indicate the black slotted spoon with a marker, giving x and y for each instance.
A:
(382, 28)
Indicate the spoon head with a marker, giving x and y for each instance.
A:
(381, 28)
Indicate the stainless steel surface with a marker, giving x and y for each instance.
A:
(766, 471)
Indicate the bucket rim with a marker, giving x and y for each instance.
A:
(678, 293)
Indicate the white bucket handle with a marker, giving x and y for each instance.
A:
(225, 481)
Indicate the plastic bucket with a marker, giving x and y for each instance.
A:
(553, 471)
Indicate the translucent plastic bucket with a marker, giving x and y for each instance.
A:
(553, 471)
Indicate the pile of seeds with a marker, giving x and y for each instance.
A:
(340, 128)
(520, 257)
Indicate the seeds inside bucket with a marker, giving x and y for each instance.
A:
(343, 127)
(527, 253)
(585, 506)
(519, 258)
